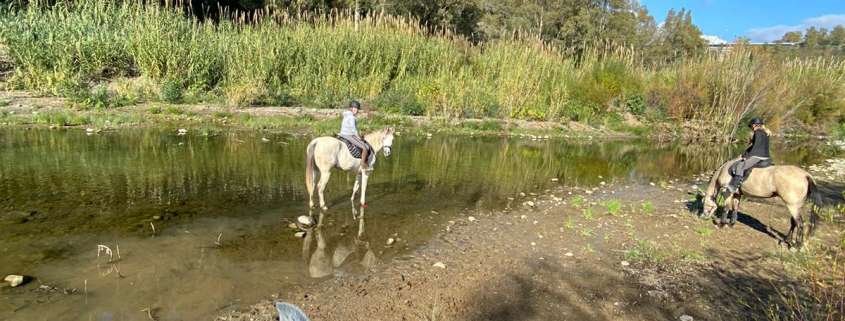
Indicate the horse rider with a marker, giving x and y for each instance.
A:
(349, 131)
(757, 152)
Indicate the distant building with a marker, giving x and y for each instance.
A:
(725, 47)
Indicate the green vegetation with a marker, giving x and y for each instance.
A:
(645, 250)
(613, 207)
(704, 231)
(647, 207)
(576, 200)
(104, 54)
(588, 214)
(570, 223)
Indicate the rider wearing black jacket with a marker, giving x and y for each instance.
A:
(754, 154)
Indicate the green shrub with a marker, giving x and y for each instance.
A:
(635, 104)
(605, 83)
(171, 91)
(397, 101)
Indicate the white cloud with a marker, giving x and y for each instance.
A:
(769, 34)
(713, 40)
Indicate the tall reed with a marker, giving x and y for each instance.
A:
(325, 60)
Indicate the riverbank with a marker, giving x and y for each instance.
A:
(20, 108)
(610, 253)
(138, 52)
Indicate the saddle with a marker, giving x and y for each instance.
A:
(355, 150)
(762, 164)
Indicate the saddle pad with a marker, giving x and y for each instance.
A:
(354, 150)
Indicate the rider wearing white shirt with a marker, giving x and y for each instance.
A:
(349, 130)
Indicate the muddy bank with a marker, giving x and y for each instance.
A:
(611, 253)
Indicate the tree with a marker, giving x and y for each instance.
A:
(812, 38)
(742, 41)
(837, 36)
(792, 36)
(679, 37)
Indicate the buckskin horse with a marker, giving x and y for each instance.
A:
(790, 183)
(328, 152)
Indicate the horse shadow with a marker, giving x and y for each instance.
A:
(696, 207)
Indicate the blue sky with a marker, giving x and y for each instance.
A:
(760, 20)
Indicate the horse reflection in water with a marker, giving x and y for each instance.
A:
(348, 248)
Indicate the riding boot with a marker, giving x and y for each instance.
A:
(733, 186)
(365, 159)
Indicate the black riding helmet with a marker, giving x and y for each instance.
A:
(755, 121)
(354, 104)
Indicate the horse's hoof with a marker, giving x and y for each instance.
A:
(325, 208)
(364, 206)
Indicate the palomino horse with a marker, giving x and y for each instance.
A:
(327, 152)
(792, 184)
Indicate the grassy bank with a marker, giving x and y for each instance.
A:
(103, 55)
(19, 109)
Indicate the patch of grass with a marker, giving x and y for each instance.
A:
(647, 207)
(692, 255)
(484, 125)
(60, 118)
(155, 110)
(644, 250)
(570, 223)
(704, 231)
(222, 114)
(174, 110)
(4, 103)
(614, 207)
(576, 200)
(586, 232)
(588, 214)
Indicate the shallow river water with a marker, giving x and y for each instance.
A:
(126, 224)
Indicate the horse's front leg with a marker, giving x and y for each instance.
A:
(726, 207)
(364, 178)
(355, 187)
(734, 210)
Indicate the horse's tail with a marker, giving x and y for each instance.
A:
(816, 198)
(310, 183)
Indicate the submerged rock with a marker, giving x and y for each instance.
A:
(14, 280)
(305, 221)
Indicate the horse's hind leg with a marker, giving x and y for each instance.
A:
(321, 186)
(797, 225)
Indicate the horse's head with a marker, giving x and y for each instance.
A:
(387, 141)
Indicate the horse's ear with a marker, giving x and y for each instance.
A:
(390, 130)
